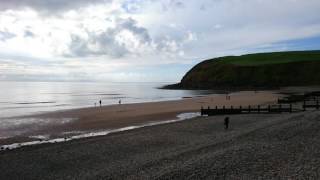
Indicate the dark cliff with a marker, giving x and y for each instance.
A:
(265, 70)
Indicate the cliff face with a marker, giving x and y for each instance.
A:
(267, 70)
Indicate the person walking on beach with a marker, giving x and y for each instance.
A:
(119, 101)
(228, 96)
(226, 123)
(100, 102)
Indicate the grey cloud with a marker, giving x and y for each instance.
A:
(131, 25)
(4, 35)
(47, 6)
(177, 3)
(78, 46)
(173, 4)
(106, 43)
(28, 33)
(131, 6)
(95, 45)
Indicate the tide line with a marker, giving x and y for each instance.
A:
(180, 117)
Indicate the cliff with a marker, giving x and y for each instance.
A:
(264, 70)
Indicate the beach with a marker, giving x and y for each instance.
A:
(71, 122)
(264, 146)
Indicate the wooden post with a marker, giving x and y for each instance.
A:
(249, 108)
(208, 107)
(269, 108)
(280, 108)
(258, 109)
(240, 107)
(216, 110)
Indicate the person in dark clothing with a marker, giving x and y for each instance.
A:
(100, 102)
(226, 123)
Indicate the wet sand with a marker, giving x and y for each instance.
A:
(124, 115)
(264, 146)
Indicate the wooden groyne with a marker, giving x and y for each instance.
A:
(285, 105)
(311, 104)
(311, 96)
(246, 110)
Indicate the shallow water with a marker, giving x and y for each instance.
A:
(21, 98)
(25, 98)
(45, 139)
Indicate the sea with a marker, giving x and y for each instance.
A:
(20, 99)
(25, 98)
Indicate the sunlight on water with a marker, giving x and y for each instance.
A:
(22, 98)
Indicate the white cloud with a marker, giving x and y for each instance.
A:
(126, 33)
(125, 37)
(48, 6)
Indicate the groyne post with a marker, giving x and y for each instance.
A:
(280, 108)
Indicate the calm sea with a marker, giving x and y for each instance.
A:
(23, 98)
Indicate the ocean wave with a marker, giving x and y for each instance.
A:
(97, 94)
(41, 102)
(180, 117)
(7, 124)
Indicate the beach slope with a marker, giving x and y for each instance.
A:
(266, 146)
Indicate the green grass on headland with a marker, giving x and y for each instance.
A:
(272, 58)
(264, 70)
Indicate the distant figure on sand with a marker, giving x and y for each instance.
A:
(100, 102)
(95, 104)
(227, 97)
(226, 123)
(119, 101)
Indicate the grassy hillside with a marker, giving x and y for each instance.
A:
(264, 70)
(272, 58)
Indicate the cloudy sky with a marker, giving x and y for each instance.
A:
(144, 40)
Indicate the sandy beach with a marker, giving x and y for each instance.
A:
(279, 146)
(124, 115)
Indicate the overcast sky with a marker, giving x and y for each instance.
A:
(144, 40)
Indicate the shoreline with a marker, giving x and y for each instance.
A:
(267, 146)
(99, 119)
(180, 117)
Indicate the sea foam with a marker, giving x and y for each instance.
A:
(44, 140)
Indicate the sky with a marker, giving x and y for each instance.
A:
(144, 40)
